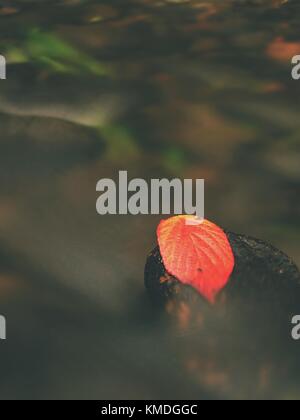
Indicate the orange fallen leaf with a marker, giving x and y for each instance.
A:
(197, 253)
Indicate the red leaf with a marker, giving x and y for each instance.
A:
(197, 253)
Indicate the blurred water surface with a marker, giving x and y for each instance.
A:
(189, 89)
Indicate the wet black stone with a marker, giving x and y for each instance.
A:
(262, 270)
(161, 285)
(264, 280)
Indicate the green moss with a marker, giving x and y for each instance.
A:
(53, 53)
(174, 160)
(121, 144)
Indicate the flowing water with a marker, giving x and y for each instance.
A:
(161, 88)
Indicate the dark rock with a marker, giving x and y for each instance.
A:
(41, 146)
(264, 279)
(163, 286)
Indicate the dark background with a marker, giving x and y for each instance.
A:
(189, 89)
